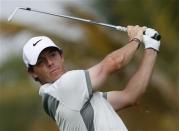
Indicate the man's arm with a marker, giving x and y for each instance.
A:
(136, 85)
(117, 59)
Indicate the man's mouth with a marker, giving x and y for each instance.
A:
(54, 70)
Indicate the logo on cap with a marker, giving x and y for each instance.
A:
(34, 44)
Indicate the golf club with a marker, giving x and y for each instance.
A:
(120, 28)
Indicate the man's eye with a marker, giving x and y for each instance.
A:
(39, 62)
(53, 54)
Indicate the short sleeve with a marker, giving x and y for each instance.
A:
(73, 89)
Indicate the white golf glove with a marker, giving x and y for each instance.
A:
(149, 41)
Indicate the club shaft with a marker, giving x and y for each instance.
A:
(78, 19)
(120, 28)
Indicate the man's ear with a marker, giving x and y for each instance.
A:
(62, 57)
(32, 73)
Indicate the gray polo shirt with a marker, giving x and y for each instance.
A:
(71, 102)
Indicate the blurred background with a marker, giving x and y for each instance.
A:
(84, 45)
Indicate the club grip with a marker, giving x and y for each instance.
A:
(156, 36)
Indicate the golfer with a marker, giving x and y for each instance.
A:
(72, 98)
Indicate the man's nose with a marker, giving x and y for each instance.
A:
(49, 62)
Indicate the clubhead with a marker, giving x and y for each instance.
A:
(13, 13)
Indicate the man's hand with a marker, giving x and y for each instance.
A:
(148, 41)
(135, 32)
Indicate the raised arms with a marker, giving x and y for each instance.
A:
(120, 58)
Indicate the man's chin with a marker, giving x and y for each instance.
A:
(56, 77)
(53, 77)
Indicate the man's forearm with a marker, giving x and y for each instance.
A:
(128, 52)
(111, 63)
(138, 83)
(117, 59)
(122, 56)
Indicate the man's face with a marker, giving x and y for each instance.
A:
(49, 67)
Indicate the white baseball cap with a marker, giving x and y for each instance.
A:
(34, 47)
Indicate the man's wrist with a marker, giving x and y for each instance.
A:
(151, 51)
(135, 40)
